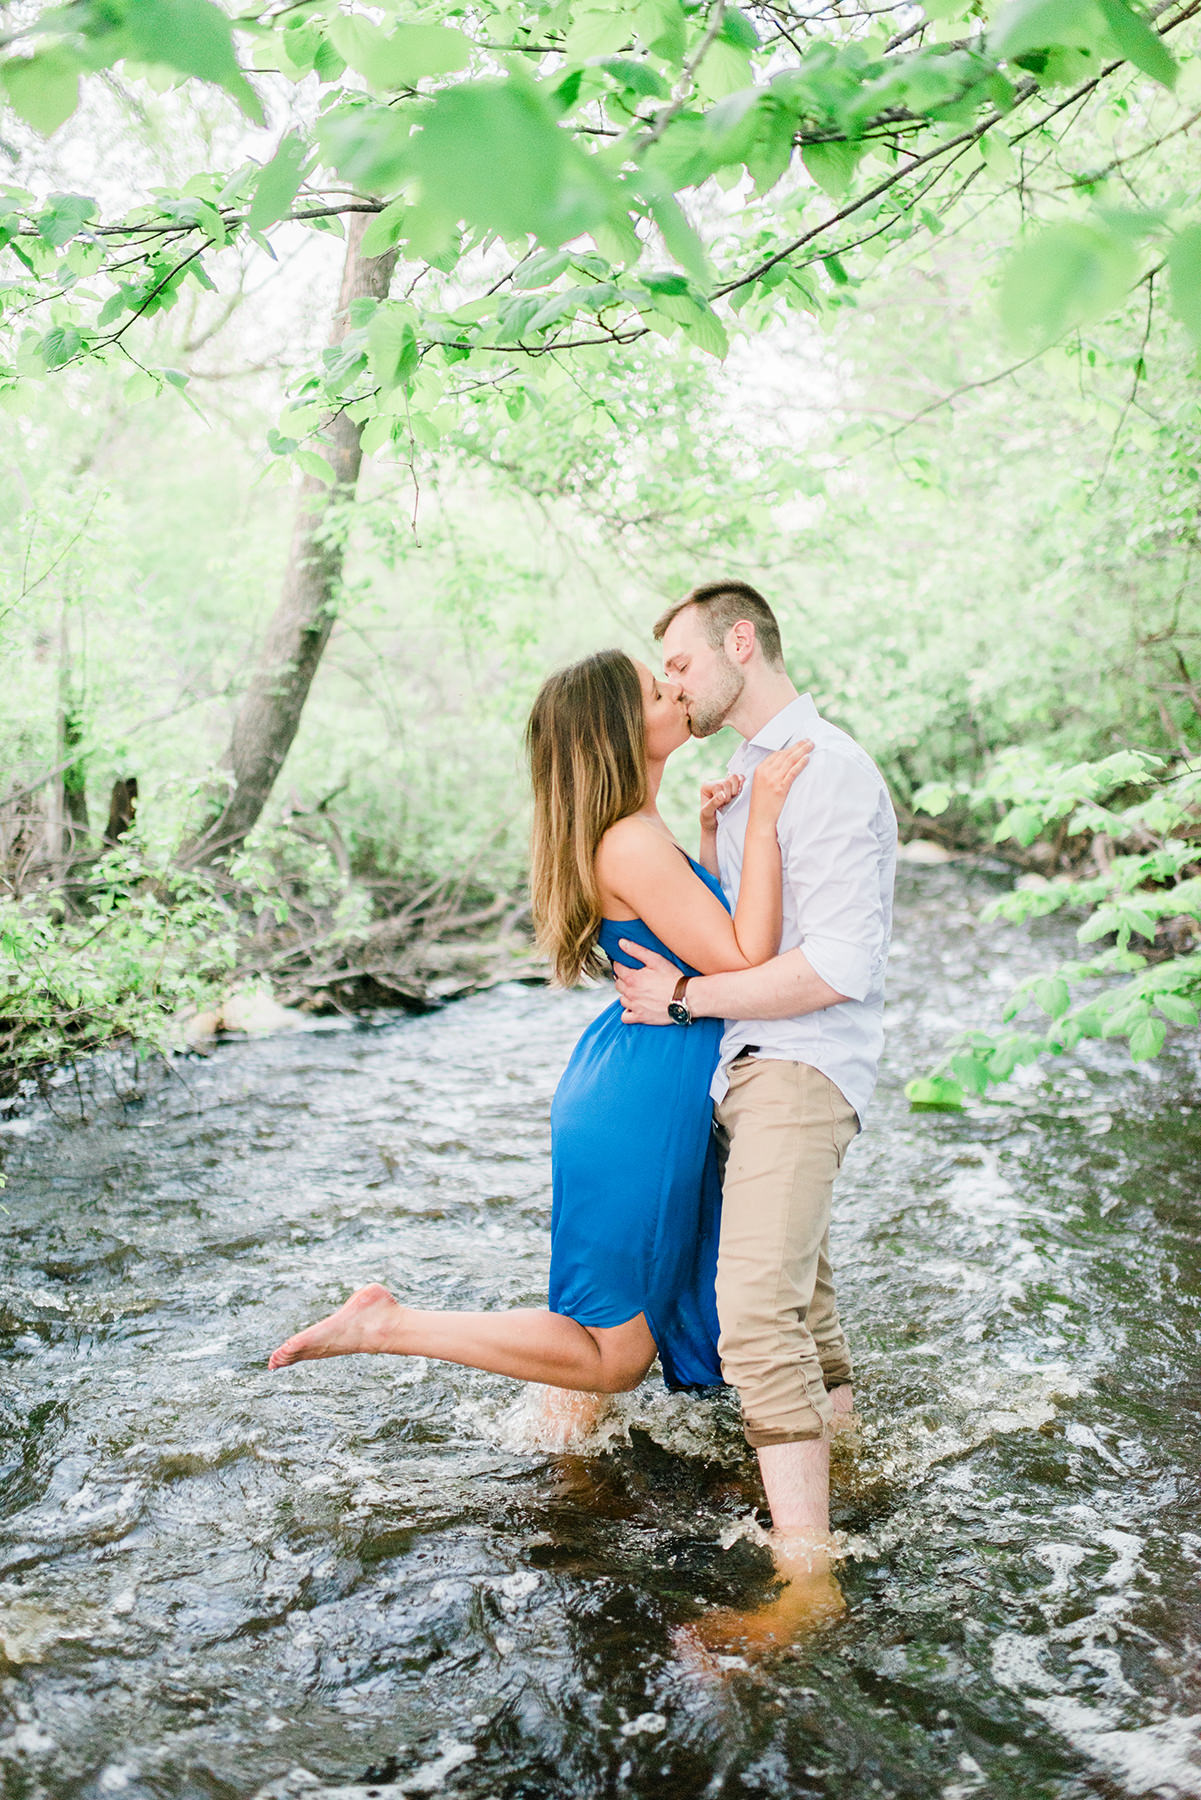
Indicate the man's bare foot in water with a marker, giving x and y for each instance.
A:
(810, 1599)
(368, 1323)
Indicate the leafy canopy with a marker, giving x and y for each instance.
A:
(563, 178)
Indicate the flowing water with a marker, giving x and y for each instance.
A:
(364, 1577)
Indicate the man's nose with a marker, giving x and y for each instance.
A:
(673, 688)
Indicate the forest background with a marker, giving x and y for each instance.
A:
(893, 311)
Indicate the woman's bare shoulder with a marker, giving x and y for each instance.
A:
(631, 842)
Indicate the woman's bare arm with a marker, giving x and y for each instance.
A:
(642, 869)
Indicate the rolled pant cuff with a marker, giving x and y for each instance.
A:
(760, 1436)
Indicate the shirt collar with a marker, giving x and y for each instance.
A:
(796, 720)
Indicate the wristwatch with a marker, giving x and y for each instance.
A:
(677, 1007)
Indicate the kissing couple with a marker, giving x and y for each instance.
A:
(701, 1121)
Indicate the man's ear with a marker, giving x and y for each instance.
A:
(740, 641)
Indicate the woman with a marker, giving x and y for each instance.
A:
(636, 1193)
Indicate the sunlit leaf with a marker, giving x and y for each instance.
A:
(832, 166)
(1147, 1039)
(44, 88)
(1024, 26)
(934, 1093)
(392, 343)
(279, 183)
(193, 36)
(1139, 42)
(490, 153)
(1070, 274)
(1052, 994)
(65, 216)
(1184, 275)
(401, 57)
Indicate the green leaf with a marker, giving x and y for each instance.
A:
(1052, 994)
(64, 217)
(1177, 1008)
(636, 77)
(141, 385)
(737, 29)
(706, 331)
(401, 57)
(1147, 1039)
(86, 256)
(59, 345)
(1184, 275)
(315, 465)
(193, 36)
(598, 29)
(392, 343)
(1068, 275)
(933, 798)
(1105, 920)
(1025, 26)
(934, 1093)
(1022, 824)
(540, 269)
(659, 24)
(376, 433)
(681, 240)
(971, 1071)
(278, 183)
(367, 144)
(997, 154)
(832, 166)
(490, 153)
(44, 88)
(725, 69)
(385, 230)
(1139, 42)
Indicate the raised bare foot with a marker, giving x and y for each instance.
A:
(365, 1325)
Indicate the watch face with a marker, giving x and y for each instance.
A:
(679, 1012)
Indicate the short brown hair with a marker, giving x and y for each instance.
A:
(721, 604)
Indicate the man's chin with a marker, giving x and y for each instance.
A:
(703, 728)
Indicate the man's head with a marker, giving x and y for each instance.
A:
(714, 640)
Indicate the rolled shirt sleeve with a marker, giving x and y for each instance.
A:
(830, 834)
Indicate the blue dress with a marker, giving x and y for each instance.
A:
(637, 1197)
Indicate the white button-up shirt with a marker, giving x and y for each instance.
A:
(838, 841)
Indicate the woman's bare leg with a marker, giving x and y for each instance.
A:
(529, 1345)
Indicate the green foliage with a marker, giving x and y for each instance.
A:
(1151, 894)
(487, 141)
(156, 940)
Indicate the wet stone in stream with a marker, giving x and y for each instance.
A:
(365, 1577)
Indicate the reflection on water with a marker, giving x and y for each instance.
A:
(365, 1577)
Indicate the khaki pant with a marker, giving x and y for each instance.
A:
(782, 1132)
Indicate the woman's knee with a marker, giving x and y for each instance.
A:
(621, 1375)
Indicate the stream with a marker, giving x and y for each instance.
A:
(366, 1577)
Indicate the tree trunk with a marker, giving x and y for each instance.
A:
(68, 811)
(269, 714)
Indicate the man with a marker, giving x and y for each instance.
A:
(802, 1043)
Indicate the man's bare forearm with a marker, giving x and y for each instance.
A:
(781, 989)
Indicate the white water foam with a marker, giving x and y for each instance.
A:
(1163, 1758)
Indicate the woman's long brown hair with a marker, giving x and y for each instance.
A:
(586, 741)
